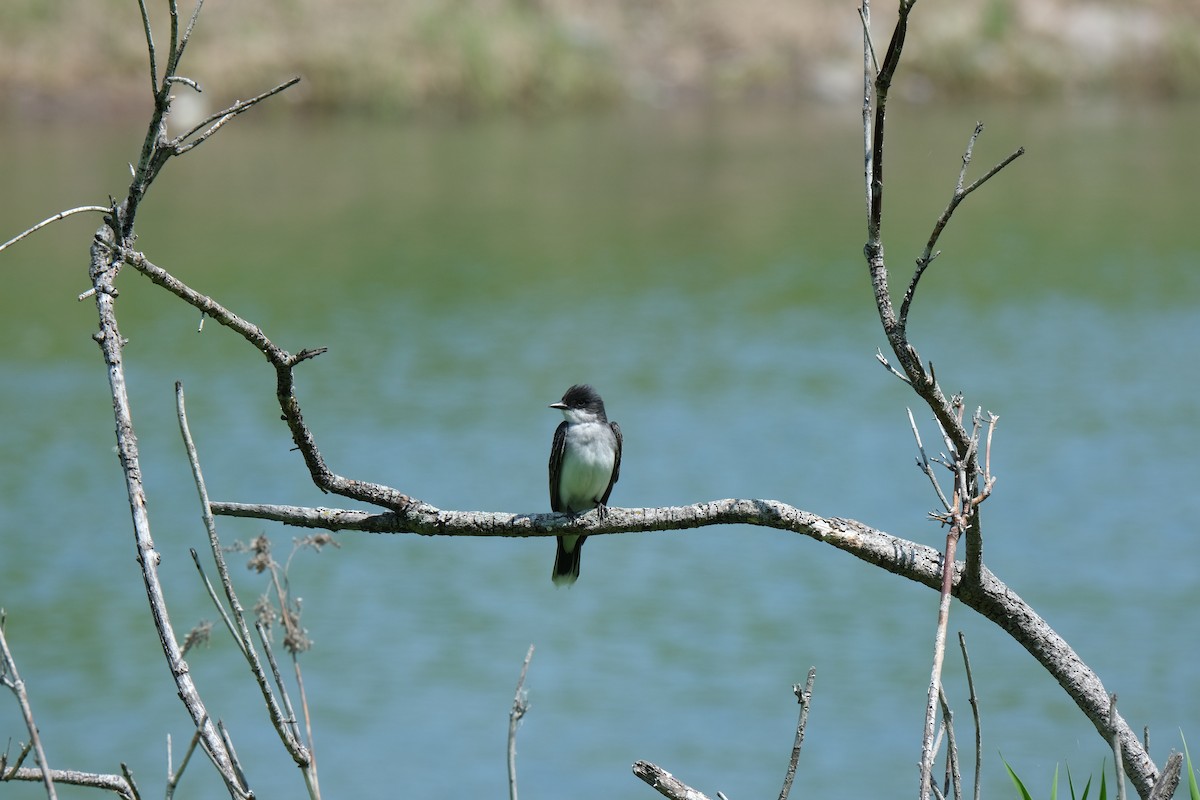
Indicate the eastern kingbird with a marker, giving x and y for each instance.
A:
(585, 462)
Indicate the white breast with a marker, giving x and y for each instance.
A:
(587, 465)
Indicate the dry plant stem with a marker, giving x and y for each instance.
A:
(212, 594)
(953, 773)
(265, 639)
(665, 783)
(20, 760)
(12, 679)
(925, 464)
(804, 697)
(174, 776)
(285, 726)
(519, 707)
(1118, 767)
(974, 700)
(939, 654)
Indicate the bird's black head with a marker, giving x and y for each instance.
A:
(581, 396)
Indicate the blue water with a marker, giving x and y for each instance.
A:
(705, 276)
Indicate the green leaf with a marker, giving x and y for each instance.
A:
(1193, 789)
(1086, 787)
(1016, 781)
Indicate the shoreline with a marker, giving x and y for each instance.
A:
(552, 56)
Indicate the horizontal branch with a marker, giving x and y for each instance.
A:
(71, 777)
(910, 559)
(989, 596)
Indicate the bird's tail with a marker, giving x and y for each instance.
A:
(566, 560)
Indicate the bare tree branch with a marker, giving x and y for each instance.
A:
(92, 780)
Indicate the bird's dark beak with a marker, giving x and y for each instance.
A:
(559, 405)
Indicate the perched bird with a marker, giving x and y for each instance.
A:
(585, 462)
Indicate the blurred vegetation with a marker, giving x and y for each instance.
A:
(544, 55)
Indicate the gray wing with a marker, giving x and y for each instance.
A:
(616, 473)
(556, 458)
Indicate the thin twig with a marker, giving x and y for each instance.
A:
(879, 356)
(310, 771)
(939, 651)
(212, 594)
(864, 16)
(149, 46)
(21, 756)
(519, 707)
(290, 719)
(173, 778)
(952, 768)
(183, 142)
(12, 679)
(924, 464)
(960, 194)
(804, 697)
(187, 33)
(49, 220)
(870, 71)
(974, 700)
(1118, 766)
(175, 53)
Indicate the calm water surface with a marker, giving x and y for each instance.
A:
(705, 272)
